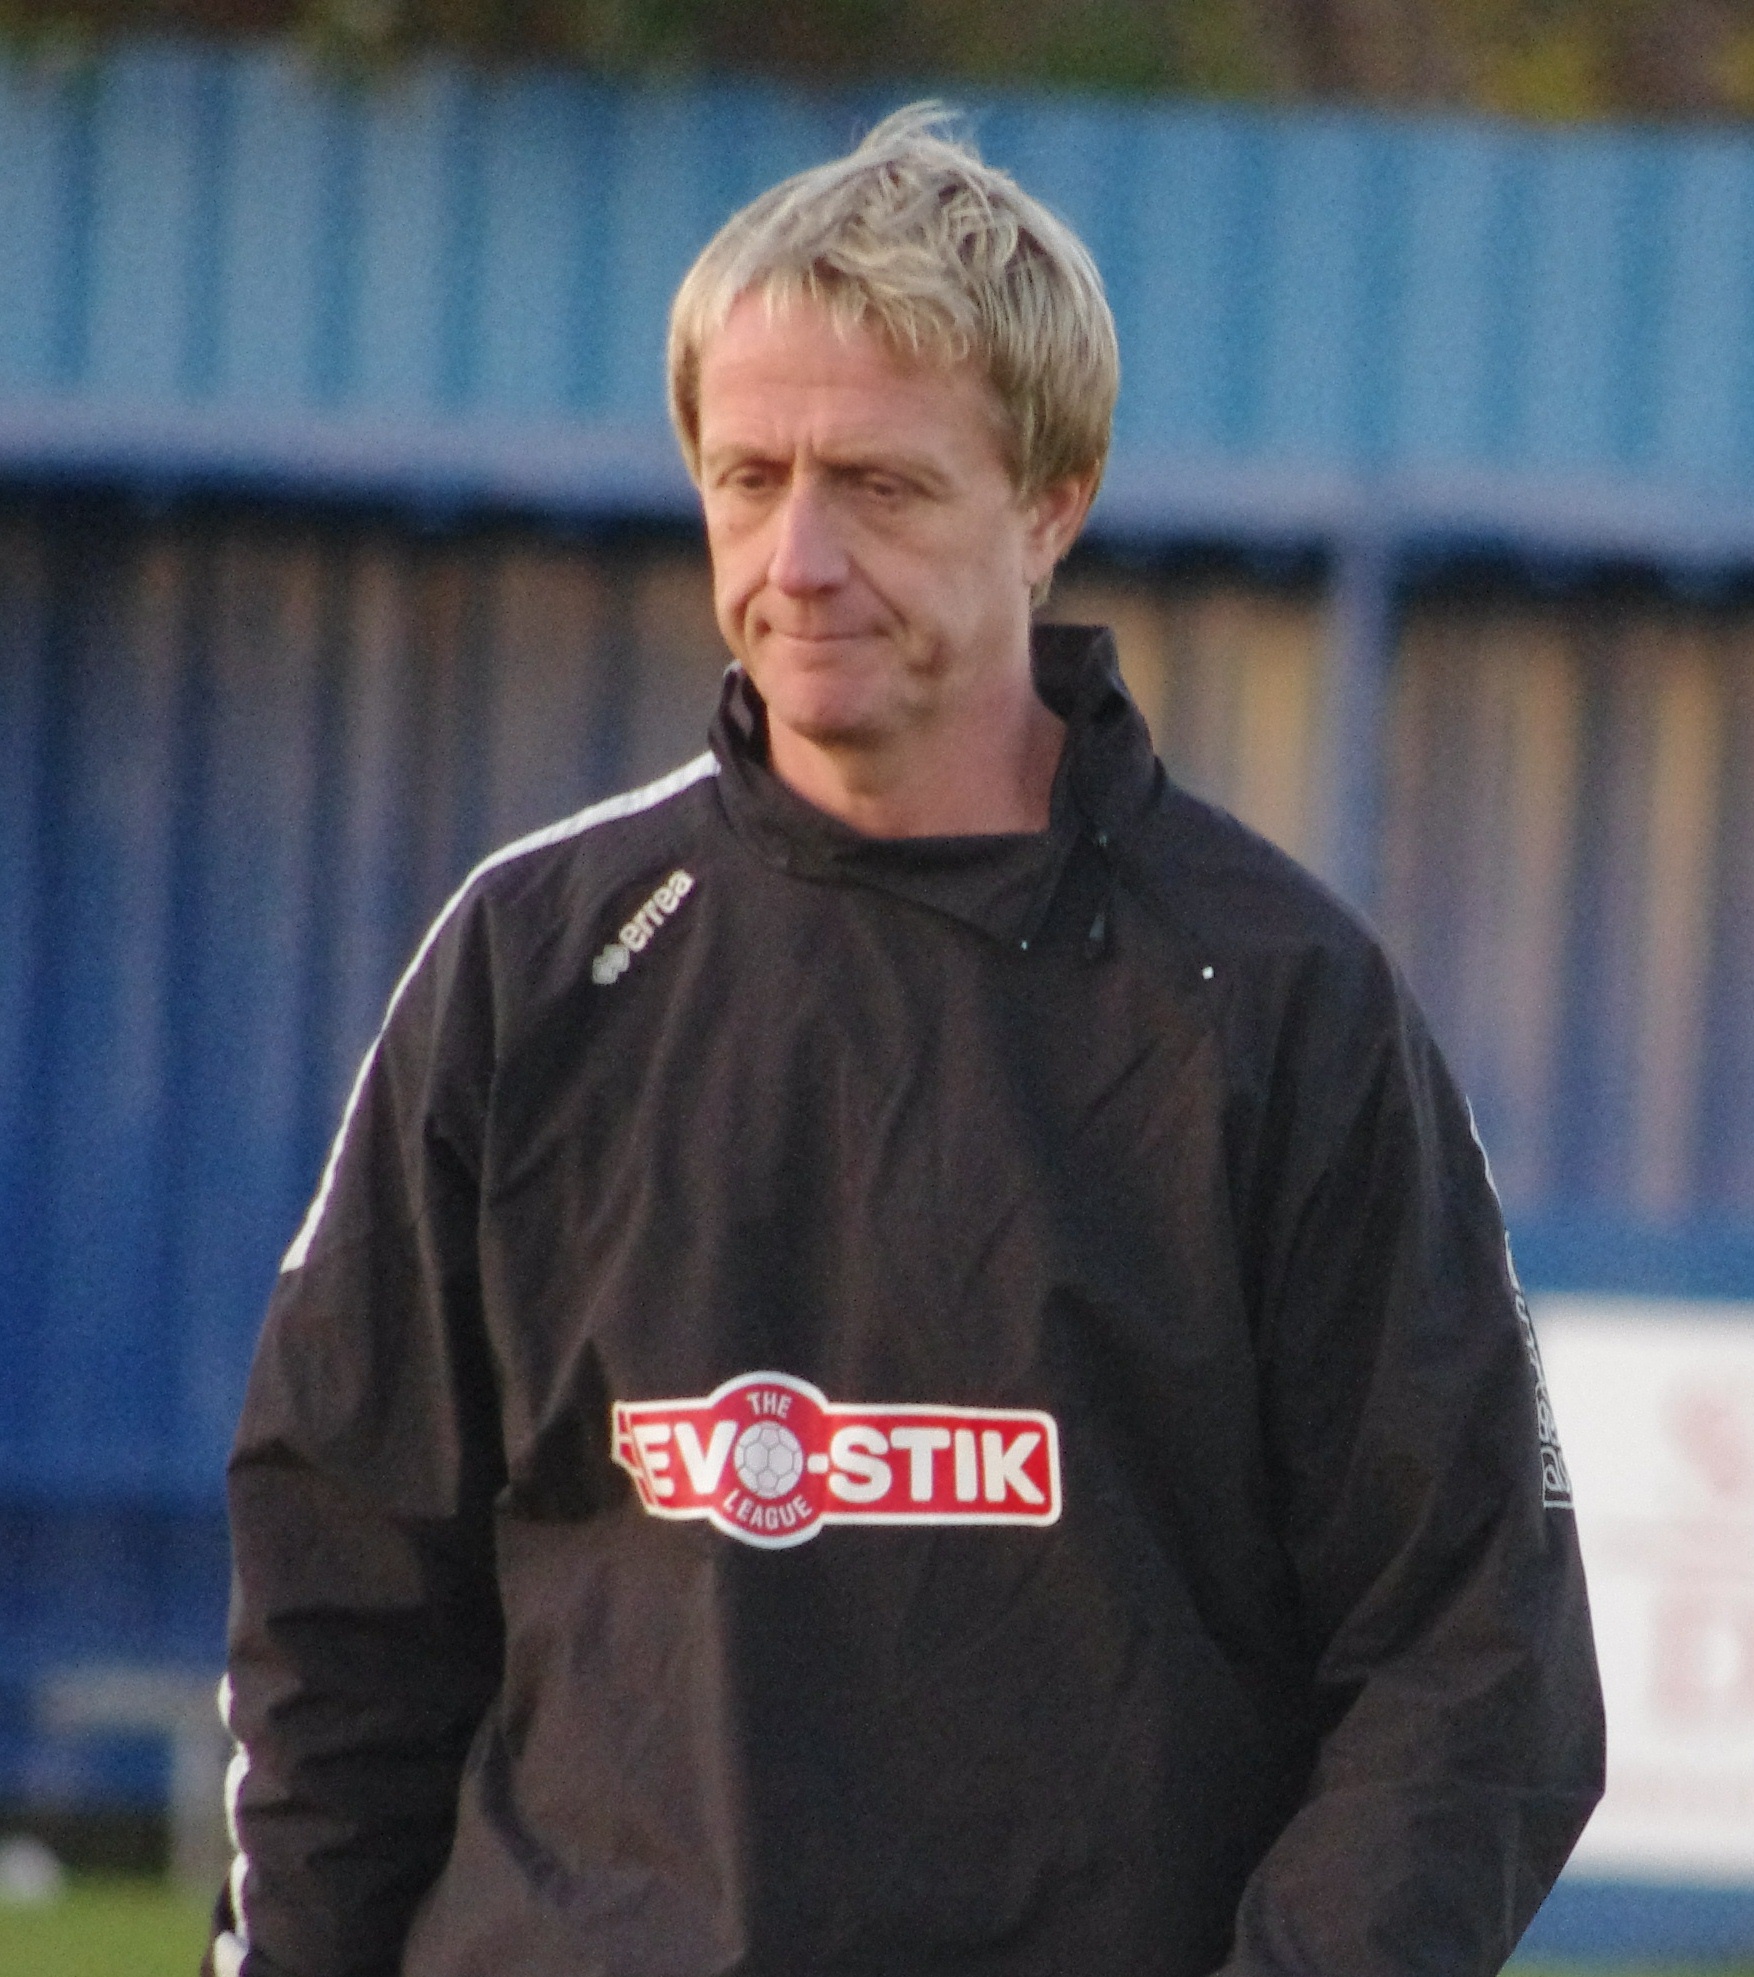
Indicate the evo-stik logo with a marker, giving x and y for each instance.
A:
(613, 962)
(769, 1459)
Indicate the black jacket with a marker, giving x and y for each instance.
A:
(1168, 1562)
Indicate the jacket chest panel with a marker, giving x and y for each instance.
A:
(859, 1143)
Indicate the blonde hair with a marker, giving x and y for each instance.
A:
(949, 260)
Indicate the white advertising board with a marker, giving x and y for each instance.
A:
(1655, 1406)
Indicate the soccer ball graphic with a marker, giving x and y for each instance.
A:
(769, 1459)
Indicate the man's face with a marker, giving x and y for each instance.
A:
(872, 562)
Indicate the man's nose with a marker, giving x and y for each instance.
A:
(808, 554)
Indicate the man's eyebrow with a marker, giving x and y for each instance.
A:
(881, 456)
(877, 456)
(738, 449)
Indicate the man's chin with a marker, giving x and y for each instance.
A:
(834, 729)
(828, 707)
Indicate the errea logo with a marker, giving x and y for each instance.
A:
(769, 1459)
(613, 962)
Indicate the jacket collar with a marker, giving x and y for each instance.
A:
(1108, 771)
(1106, 775)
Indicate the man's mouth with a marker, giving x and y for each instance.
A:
(818, 636)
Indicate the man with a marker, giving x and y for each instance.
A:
(906, 1361)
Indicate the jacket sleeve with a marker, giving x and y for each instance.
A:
(1424, 1506)
(365, 1634)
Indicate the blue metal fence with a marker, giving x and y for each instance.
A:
(214, 263)
(244, 757)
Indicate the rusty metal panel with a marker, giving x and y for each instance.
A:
(1567, 855)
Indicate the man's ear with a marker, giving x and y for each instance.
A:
(1055, 515)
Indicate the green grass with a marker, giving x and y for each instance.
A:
(106, 1927)
(115, 1927)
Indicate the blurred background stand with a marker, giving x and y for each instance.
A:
(177, 1704)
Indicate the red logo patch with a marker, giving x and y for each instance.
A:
(770, 1460)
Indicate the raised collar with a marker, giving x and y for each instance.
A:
(1106, 775)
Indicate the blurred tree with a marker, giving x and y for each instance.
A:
(1551, 59)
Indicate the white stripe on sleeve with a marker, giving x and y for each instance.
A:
(627, 805)
(229, 1945)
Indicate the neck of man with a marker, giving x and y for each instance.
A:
(985, 771)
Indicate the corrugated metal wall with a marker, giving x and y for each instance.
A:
(244, 762)
(243, 758)
(1570, 878)
(213, 260)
